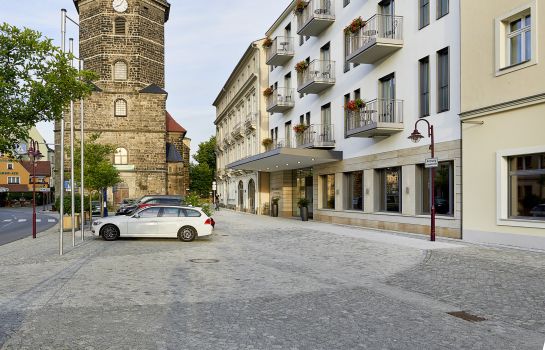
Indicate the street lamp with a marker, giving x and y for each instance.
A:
(415, 137)
(34, 155)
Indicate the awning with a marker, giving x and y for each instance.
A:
(286, 159)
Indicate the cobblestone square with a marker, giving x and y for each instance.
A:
(270, 283)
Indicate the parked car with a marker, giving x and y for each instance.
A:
(127, 201)
(95, 207)
(538, 210)
(185, 223)
(150, 200)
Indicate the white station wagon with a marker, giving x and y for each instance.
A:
(185, 223)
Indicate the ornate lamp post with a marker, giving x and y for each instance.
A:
(35, 155)
(415, 137)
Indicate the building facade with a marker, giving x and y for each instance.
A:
(124, 43)
(503, 104)
(241, 123)
(349, 81)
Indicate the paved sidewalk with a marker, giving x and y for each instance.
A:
(269, 283)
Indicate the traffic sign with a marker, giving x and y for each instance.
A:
(431, 163)
(4, 189)
(21, 148)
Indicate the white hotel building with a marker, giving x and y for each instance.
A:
(359, 167)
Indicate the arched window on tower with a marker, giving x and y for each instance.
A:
(121, 156)
(120, 27)
(120, 108)
(120, 70)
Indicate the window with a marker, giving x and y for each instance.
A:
(355, 190)
(325, 132)
(442, 8)
(519, 39)
(120, 70)
(346, 2)
(424, 86)
(443, 189)
(390, 190)
(170, 212)
(14, 180)
(287, 133)
(424, 13)
(443, 89)
(328, 191)
(121, 156)
(149, 213)
(120, 108)
(527, 186)
(191, 213)
(120, 27)
(10, 166)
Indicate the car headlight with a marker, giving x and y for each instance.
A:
(96, 223)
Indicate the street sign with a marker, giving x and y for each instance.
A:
(4, 189)
(44, 189)
(431, 163)
(21, 148)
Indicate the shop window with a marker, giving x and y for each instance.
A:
(443, 189)
(390, 189)
(328, 191)
(527, 186)
(355, 190)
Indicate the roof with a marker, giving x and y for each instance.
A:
(173, 156)
(173, 126)
(164, 3)
(43, 168)
(153, 89)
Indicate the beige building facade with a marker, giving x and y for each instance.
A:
(241, 121)
(503, 104)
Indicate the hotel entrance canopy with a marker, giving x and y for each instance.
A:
(285, 158)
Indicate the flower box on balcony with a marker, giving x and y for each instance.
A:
(354, 105)
(268, 92)
(299, 7)
(300, 128)
(300, 67)
(267, 42)
(355, 26)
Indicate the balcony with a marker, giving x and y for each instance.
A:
(237, 131)
(315, 17)
(251, 122)
(381, 36)
(280, 52)
(280, 101)
(227, 141)
(378, 118)
(316, 136)
(319, 76)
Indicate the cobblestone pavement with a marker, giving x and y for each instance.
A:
(274, 284)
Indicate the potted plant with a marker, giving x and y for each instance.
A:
(268, 92)
(354, 105)
(354, 26)
(274, 206)
(359, 103)
(303, 203)
(299, 7)
(267, 42)
(267, 142)
(301, 66)
(300, 128)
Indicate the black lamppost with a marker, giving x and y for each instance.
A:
(34, 155)
(415, 137)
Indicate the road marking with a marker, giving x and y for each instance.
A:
(7, 220)
(51, 220)
(21, 220)
(38, 220)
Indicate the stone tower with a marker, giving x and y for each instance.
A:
(123, 42)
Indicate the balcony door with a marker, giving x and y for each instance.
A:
(325, 132)
(386, 19)
(287, 128)
(386, 101)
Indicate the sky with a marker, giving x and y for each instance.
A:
(204, 42)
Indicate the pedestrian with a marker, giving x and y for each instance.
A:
(217, 202)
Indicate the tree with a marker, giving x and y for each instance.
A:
(206, 153)
(37, 82)
(98, 169)
(200, 179)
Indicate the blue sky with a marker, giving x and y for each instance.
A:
(204, 41)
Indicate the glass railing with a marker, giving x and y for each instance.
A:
(317, 71)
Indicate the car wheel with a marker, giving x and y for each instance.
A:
(187, 234)
(109, 233)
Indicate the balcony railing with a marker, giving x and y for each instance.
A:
(251, 121)
(316, 17)
(237, 131)
(280, 52)
(281, 100)
(380, 117)
(316, 136)
(319, 76)
(381, 36)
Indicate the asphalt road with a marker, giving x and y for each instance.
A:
(16, 223)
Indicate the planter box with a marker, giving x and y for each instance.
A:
(67, 222)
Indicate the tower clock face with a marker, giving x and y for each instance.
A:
(120, 5)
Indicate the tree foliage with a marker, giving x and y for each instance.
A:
(37, 81)
(200, 179)
(206, 153)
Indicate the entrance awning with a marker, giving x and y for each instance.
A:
(286, 159)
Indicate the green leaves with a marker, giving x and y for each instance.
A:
(37, 82)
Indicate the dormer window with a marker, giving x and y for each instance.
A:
(120, 26)
(120, 70)
(120, 108)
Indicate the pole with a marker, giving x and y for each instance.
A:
(61, 189)
(82, 160)
(72, 182)
(432, 148)
(33, 189)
